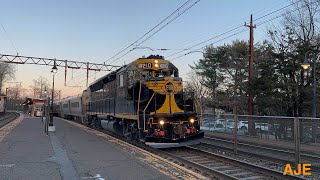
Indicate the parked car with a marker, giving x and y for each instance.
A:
(243, 125)
(213, 127)
(220, 121)
(219, 128)
(207, 127)
(208, 119)
(262, 127)
(230, 125)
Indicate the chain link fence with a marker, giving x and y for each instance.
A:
(264, 127)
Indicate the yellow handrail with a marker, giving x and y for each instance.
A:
(139, 106)
(200, 109)
(144, 112)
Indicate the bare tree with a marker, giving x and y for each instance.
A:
(6, 72)
(295, 36)
(14, 92)
(39, 86)
(196, 84)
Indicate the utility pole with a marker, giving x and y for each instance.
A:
(251, 50)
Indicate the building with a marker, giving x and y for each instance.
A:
(3, 102)
(34, 106)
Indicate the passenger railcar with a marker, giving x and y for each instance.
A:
(143, 100)
(73, 108)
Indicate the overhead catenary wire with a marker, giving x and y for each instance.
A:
(175, 14)
(236, 33)
(148, 32)
(220, 35)
(6, 33)
(174, 18)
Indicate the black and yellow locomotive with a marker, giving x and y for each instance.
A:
(145, 100)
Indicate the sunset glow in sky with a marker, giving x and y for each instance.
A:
(94, 31)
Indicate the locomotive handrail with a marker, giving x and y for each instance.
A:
(138, 109)
(199, 108)
(102, 99)
(144, 112)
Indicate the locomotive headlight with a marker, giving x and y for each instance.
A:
(156, 65)
(191, 120)
(156, 61)
(161, 122)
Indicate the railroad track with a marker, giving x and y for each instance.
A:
(203, 162)
(7, 118)
(224, 167)
(275, 156)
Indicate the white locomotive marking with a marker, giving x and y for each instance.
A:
(7, 165)
(97, 177)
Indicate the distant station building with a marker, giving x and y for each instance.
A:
(34, 106)
(3, 102)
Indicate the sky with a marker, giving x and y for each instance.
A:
(96, 30)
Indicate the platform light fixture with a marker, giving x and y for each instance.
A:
(54, 70)
(305, 65)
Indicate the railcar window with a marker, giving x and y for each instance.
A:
(65, 106)
(75, 104)
(121, 81)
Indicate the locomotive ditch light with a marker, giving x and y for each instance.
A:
(161, 122)
(191, 120)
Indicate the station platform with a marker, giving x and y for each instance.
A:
(74, 151)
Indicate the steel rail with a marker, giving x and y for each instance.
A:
(196, 167)
(265, 148)
(274, 158)
(254, 170)
(8, 118)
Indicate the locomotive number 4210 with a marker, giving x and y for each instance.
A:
(145, 65)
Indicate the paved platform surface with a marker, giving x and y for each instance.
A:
(69, 153)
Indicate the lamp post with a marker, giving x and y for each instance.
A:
(305, 65)
(53, 71)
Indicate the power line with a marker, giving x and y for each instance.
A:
(168, 17)
(269, 20)
(276, 11)
(207, 40)
(197, 50)
(5, 31)
(234, 34)
(229, 31)
(166, 24)
(184, 4)
(258, 12)
(185, 48)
